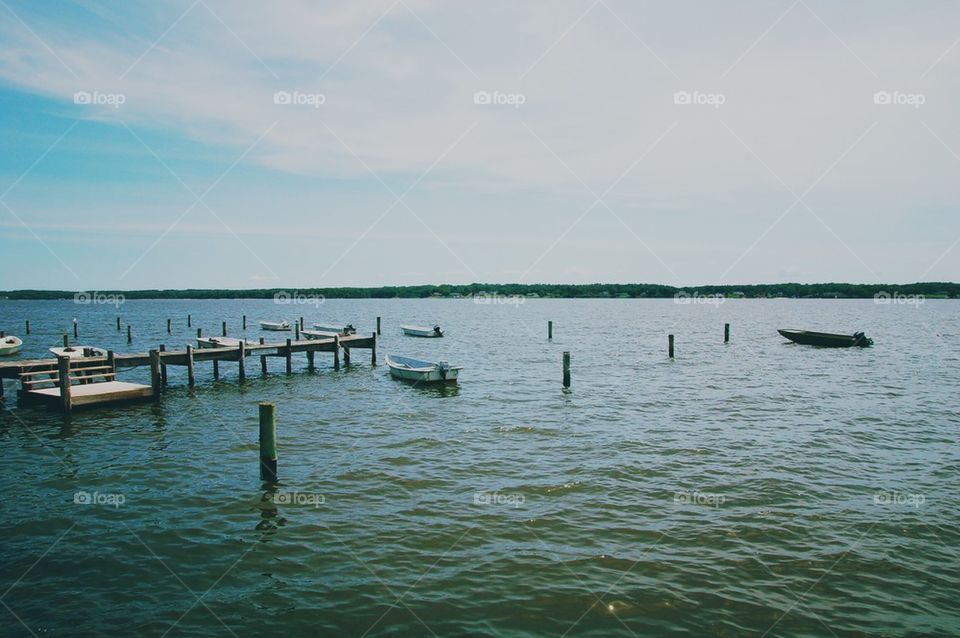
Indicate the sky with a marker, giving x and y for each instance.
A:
(236, 144)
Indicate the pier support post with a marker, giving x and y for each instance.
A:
(263, 361)
(189, 321)
(670, 345)
(76, 329)
(63, 371)
(224, 332)
(129, 334)
(726, 333)
(373, 349)
(549, 330)
(118, 324)
(244, 322)
(28, 326)
(66, 340)
(163, 367)
(289, 358)
(310, 360)
(216, 370)
(336, 352)
(199, 332)
(566, 369)
(155, 373)
(241, 362)
(168, 326)
(191, 377)
(346, 356)
(301, 323)
(112, 361)
(378, 325)
(268, 442)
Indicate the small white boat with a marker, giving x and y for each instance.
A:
(422, 371)
(78, 352)
(219, 342)
(339, 330)
(10, 345)
(422, 331)
(278, 326)
(319, 334)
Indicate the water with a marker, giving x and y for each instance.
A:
(750, 488)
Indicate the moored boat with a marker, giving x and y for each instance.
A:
(319, 334)
(278, 326)
(826, 339)
(422, 331)
(10, 345)
(422, 371)
(335, 329)
(219, 342)
(78, 352)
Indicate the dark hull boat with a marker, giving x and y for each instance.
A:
(826, 339)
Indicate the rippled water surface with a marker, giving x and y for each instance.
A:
(749, 488)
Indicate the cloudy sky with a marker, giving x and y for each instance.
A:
(225, 143)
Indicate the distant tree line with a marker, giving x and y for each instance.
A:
(929, 290)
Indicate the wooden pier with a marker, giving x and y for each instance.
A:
(92, 380)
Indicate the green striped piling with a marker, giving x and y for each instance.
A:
(268, 442)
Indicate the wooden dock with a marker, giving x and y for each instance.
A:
(92, 380)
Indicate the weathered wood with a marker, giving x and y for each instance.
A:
(336, 352)
(289, 354)
(378, 325)
(301, 323)
(112, 360)
(244, 322)
(189, 321)
(28, 326)
(268, 441)
(66, 340)
(346, 356)
(63, 370)
(118, 324)
(191, 378)
(76, 329)
(129, 334)
(263, 361)
(163, 366)
(224, 332)
(241, 363)
(373, 348)
(549, 330)
(199, 332)
(310, 354)
(168, 326)
(670, 345)
(155, 374)
(216, 369)
(566, 369)
(296, 328)
(726, 333)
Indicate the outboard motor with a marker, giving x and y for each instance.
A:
(442, 368)
(437, 331)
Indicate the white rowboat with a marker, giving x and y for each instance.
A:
(422, 371)
(78, 352)
(422, 331)
(10, 345)
(275, 325)
(319, 334)
(340, 330)
(219, 342)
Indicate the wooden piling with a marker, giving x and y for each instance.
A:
(244, 322)
(224, 331)
(66, 340)
(301, 323)
(263, 361)
(216, 370)
(378, 325)
(670, 345)
(373, 349)
(241, 363)
(726, 333)
(199, 332)
(310, 360)
(268, 442)
(76, 329)
(191, 377)
(336, 352)
(346, 356)
(112, 361)
(155, 373)
(189, 321)
(163, 367)
(118, 324)
(168, 326)
(63, 370)
(289, 354)
(2, 334)
(549, 330)
(566, 369)
(28, 326)
(129, 334)
(296, 328)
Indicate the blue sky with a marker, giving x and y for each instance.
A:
(676, 143)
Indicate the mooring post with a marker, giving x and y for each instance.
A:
(66, 340)
(28, 326)
(118, 324)
(289, 357)
(224, 332)
(336, 352)
(310, 360)
(76, 329)
(168, 326)
(199, 332)
(263, 361)
(670, 345)
(373, 349)
(191, 377)
(63, 372)
(346, 356)
(242, 366)
(549, 330)
(129, 334)
(216, 370)
(566, 369)
(2, 334)
(163, 367)
(244, 322)
(296, 329)
(378, 325)
(726, 333)
(189, 321)
(112, 361)
(268, 442)
(301, 323)
(155, 373)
